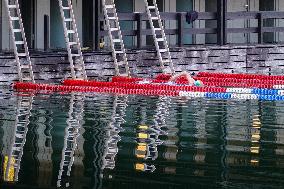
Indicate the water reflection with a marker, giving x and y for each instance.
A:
(148, 136)
(12, 159)
(113, 130)
(72, 132)
(102, 141)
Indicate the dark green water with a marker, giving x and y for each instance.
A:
(140, 142)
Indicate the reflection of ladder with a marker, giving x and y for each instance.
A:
(116, 41)
(119, 108)
(71, 134)
(19, 139)
(159, 36)
(19, 41)
(75, 55)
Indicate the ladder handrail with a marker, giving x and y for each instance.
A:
(20, 65)
(115, 51)
(80, 67)
(166, 49)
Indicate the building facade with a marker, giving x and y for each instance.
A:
(43, 25)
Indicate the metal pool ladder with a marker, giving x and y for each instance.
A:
(159, 36)
(23, 59)
(24, 107)
(116, 41)
(74, 50)
(74, 123)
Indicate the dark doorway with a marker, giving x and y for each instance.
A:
(87, 23)
(28, 15)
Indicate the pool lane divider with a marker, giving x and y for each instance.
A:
(128, 84)
(152, 90)
(212, 81)
(240, 76)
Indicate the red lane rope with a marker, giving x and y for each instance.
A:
(150, 86)
(240, 76)
(211, 82)
(239, 85)
(246, 81)
(59, 88)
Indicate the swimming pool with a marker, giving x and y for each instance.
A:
(107, 141)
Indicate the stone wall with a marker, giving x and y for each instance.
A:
(54, 67)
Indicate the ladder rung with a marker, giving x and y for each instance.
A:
(65, 8)
(19, 42)
(166, 61)
(120, 63)
(26, 79)
(12, 6)
(70, 31)
(151, 7)
(75, 55)
(26, 66)
(119, 52)
(15, 18)
(113, 29)
(68, 19)
(112, 18)
(72, 43)
(17, 30)
(160, 39)
(163, 50)
(116, 40)
(155, 18)
(109, 6)
(78, 67)
(124, 75)
(157, 29)
(22, 54)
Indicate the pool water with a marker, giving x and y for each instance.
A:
(111, 141)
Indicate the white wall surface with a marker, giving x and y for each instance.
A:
(6, 34)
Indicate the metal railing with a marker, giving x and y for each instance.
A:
(221, 30)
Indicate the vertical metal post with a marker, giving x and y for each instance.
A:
(225, 34)
(96, 24)
(220, 22)
(260, 28)
(1, 31)
(180, 29)
(139, 30)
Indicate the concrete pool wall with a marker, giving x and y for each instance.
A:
(53, 67)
